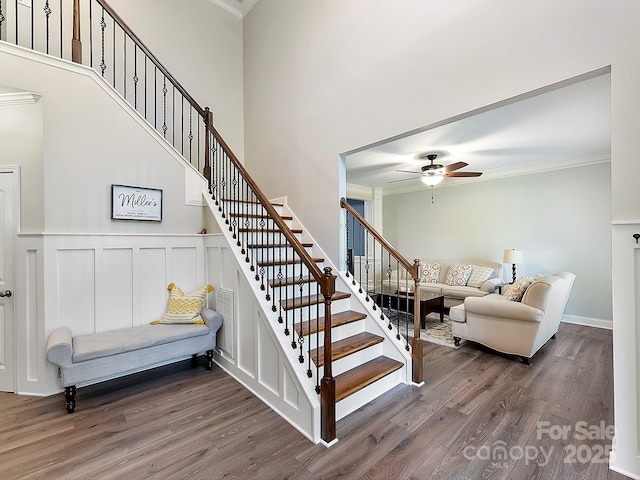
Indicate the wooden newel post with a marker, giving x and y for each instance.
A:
(328, 384)
(416, 342)
(76, 44)
(208, 121)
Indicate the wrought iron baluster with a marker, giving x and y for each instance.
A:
(366, 264)
(145, 87)
(47, 13)
(135, 76)
(286, 299)
(297, 312)
(103, 26)
(190, 131)
(317, 362)
(2, 19)
(164, 107)
(113, 44)
(60, 18)
(90, 34)
(155, 97)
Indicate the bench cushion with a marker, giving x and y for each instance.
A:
(104, 344)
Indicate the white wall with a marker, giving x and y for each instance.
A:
(21, 137)
(560, 219)
(201, 45)
(90, 140)
(327, 77)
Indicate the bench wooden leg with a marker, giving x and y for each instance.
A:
(209, 359)
(70, 398)
(456, 341)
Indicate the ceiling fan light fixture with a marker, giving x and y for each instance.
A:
(431, 179)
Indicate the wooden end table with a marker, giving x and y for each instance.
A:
(431, 302)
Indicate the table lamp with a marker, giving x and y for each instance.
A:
(513, 257)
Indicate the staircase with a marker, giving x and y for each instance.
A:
(366, 358)
(322, 347)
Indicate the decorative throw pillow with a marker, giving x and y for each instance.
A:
(458, 275)
(515, 291)
(184, 308)
(429, 272)
(479, 275)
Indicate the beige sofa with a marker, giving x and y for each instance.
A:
(515, 327)
(435, 280)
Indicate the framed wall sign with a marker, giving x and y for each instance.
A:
(136, 203)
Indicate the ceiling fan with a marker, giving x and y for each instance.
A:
(434, 173)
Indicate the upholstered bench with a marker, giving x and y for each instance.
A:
(87, 359)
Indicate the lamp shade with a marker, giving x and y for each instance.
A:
(513, 256)
(431, 179)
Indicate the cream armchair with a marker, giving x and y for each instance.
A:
(517, 328)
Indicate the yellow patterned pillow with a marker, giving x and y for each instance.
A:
(184, 308)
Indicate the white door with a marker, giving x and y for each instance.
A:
(7, 227)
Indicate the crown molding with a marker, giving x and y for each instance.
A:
(238, 8)
(18, 98)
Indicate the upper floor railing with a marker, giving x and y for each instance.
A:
(90, 32)
(110, 47)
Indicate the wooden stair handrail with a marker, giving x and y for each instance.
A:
(413, 268)
(314, 270)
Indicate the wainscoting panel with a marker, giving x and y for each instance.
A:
(268, 360)
(248, 318)
(152, 288)
(114, 287)
(76, 281)
(93, 283)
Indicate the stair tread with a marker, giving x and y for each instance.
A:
(275, 283)
(347, 346)
(276, 245)
(268, 230)
(291, 261)
(337, 319)
(307, 300)
(252, 202)
(363, 375)
(255, 215)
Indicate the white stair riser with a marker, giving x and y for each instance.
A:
(364, 396)
(250, 208)
(355, 359)
(303, 314)
(257, 237)
(286, 253)
(255, 222)
(288, 291)
(271, 272)
(337, 333)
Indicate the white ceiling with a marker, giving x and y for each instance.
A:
(559, 128)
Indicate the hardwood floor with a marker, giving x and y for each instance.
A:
(179, 422)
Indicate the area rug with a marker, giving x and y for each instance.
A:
(434, 331)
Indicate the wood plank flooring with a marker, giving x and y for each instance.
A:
(177, 422)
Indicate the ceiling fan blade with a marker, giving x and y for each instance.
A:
(404, 179)
(455, 166)
(463, 174)
(408, 171)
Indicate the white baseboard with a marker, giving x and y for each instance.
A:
(588, 321)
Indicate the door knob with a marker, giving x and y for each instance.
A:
(6, 293)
